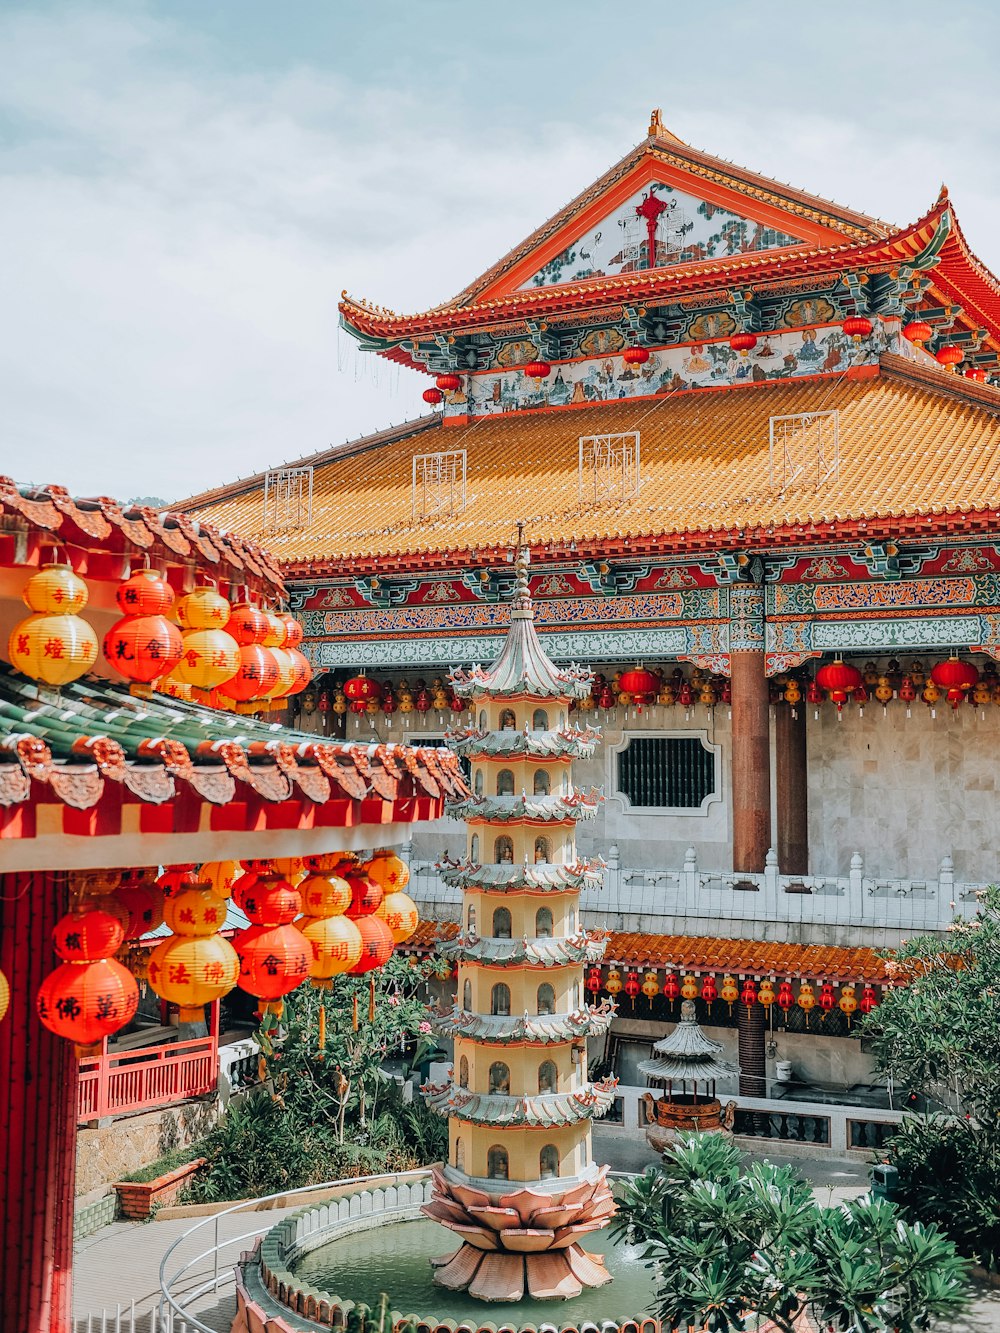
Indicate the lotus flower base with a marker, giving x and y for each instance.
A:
(525, 1243)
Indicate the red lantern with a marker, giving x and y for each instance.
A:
(144, 593)
(256, 677)
(671, 987)
(144, 904)
(685, 696)
(632, 986)
(274, 960)
(749, 993)
(293, 630)
(827, 999)
(301, 670)
(142, 648)
(857, 327)
(814, 694)
(641, 684)
(949, 355)
(709, 990)
(359, 690)
(366, 895)
(635, 356)
(432, 396)
(537, 370)
(839, 680)
(976, 373)
(785, 997)
(175, 878)
(247, 624)
(744, 343)
(917, 332)
(423, 701)
(376, 944)
(449, 383)
(606, 698)
(86, 936)
(956, 677)
(271, 901)
(90, 995)
(593, 982)
(389, 704)
(868, 1001)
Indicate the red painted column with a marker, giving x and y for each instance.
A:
(38, 1107)
(792, 782)
(751, 762)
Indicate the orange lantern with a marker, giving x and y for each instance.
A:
(807, 999)
(302, 670)
(142, 648)
(90, 995)
(650, 986)
(730, 992)
(388, 871)
(255, 677)
(848, 1003)
(400, 914)
(274, 960)
(271, 901)
(366, 896)
(195, 965)
(210, 657)
(689, 988)
(221, 876)
(247, 624)
(203, 609)
(286, 673)
(144, 904)
(765, 993)
(175, 878)
(334, 940)
(293, 631)
(54, 645)
(276, 630)
(613, 982)
(376, 944)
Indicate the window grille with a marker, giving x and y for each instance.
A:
(439, 484)
(608, 468)
(675, 773)
(804, 449)
(288, 499)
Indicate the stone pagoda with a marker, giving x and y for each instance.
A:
(684, 1061)
(520, 1187)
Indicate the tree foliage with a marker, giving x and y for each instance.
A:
(733, 1244)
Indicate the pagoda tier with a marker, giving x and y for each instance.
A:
(543, 1111)
(475, 878)
(520, 1113)
(570, 743)
(586, 946)
(528, 1029)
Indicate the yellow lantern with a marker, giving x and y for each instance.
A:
(4, 996)
(203, 609)
(195, 965)
(807, 999)
(55, 645)
(765, 994)
(286, 672)
(650, 986)
(848, 1002)
(336, 946)
(613, 983)
(400, 914)
(276, 630)
(292, 868)
(388, 871)
(689, 989)
(210, 657)
(221, 875)
(730, 992)
(325, 894)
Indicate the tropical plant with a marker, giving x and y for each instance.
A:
(732, 1244)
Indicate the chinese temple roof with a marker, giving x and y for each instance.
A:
(917, 456)
(91, 761)
(525, 809)
(702, 954)
(518, 878)
(528, 1029)
(496, 1109)
(687, 1054)
(557, 951)
(570, 743)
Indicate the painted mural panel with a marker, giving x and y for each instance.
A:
(685, 228)
(777, 356)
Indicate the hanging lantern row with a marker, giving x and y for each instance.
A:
(227, 656)
(314, 918)
(949, 355)
(363, 695)
(748, 991)
(953, 680)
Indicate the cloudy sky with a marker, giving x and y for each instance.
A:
(186, 187)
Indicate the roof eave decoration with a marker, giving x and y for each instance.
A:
(515, 878)
(586, 946)
(529, 1029)
(544, 1111)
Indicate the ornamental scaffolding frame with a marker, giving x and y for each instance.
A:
(804, 449)
(439, 484)
(608, 470)
(288, 499)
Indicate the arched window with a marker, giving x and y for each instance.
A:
(482, 720)
(474, 849)
(501, 923)
(500, 1000)
(470, 919)
(548, 1077)
(543, 923)
(548, 1162)
(503, 850)
(497, 1165)
(541, 784)
(505, 782)
(460, 1154)
(543, 851)
(571, 921)
(463, 1072)
(583, 1152)
(478, 782)
(508, 722)
(546, 999)
(540, 720)
(500, 1078)
(467, 997)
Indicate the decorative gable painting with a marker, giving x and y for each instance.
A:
(684, 230)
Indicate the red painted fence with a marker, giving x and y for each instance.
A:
(147, 1076)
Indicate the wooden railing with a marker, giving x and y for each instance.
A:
(113, 1084)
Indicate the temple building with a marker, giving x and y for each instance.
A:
(752, 435)
(521, 1187)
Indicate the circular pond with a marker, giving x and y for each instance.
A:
(396, 1259)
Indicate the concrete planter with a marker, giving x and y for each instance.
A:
(138, 1200)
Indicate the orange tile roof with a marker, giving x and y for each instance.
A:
(698, 953)
(912, 442)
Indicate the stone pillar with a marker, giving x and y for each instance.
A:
(751, 1030)
(38, 1108)
(751, 766)
(791, 795)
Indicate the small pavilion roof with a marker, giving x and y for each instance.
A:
(687, 1054)
(918, 457)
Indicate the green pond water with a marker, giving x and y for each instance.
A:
(396, 1259)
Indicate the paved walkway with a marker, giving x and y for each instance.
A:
(121, 1263)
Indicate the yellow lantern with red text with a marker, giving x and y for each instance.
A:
(220, 876)
(210, 657)
(195, 965)
(400, 914)
(54, 645)
(388, 871)
(203, 609)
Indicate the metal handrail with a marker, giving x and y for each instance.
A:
(169, 1306)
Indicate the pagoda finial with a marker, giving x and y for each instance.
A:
(656, 126)
(522, 592)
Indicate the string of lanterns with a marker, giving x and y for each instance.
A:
(748, 991)
(234, 657)
(312, 919)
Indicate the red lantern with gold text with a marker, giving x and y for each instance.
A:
(90, 995)
(709, 991)
(359, 690)
(671, 988)
(593, 982)
(857, 327)
(632, 986)
(748, 995)
(956, 677)
(786, 998)
(868, 1000)
(635, 356)
(839, 680)
(827, 999)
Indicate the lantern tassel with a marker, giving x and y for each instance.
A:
(354, 1013)
(321, 1035)
(371, 999)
